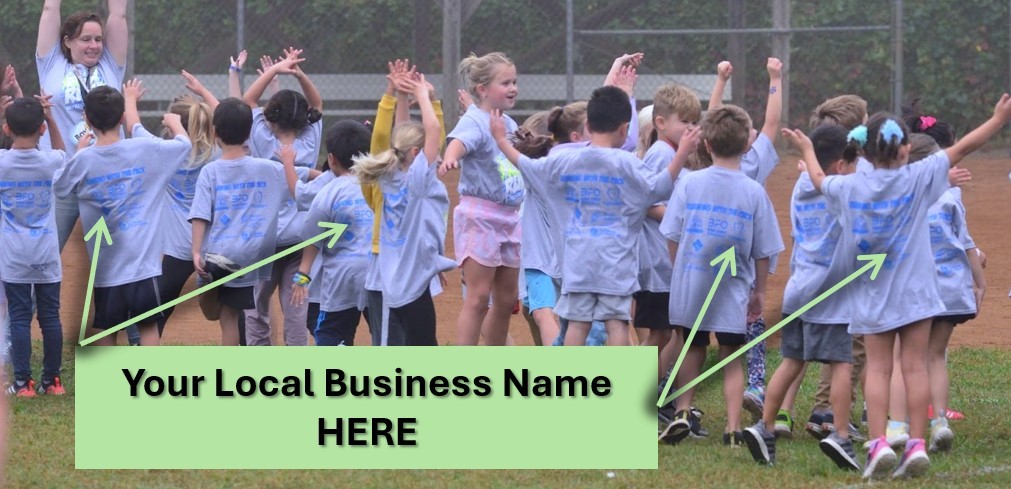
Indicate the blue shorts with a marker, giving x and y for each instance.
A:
(541, 290)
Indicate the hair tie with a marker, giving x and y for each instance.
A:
(858, 134)
(889, 130)
(399, 154)
(926, 122)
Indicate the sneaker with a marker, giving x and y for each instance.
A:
(677, 430)
(754, 402)
(733, 440)
(815, 425)
(855, 434)
(784, 425)
(941, 436)
(948, 413)
(761, 443)
(52, 388)
(914, 462)
(863, 417)
(695, 420)
(828, 427)
(881, 459)
(840, 450)
(897, 434)
(22, 388)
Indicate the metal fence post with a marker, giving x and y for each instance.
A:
(451, 20)
(240, 36)
(898, 68)
(781, 49)
(570, 70)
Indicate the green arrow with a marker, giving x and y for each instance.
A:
(874, 265)
(333, 232)
(727, 258)
(101, 230)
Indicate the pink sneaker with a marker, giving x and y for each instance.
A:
(950, 414)
(881, 459)
(914, 462)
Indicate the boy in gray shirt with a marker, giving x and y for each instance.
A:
(122, 182)
(606, 197)
(235, 209)
(711, 211)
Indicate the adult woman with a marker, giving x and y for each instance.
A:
(72, 58)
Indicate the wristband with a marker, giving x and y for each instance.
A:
(235, 68)
(301, 279)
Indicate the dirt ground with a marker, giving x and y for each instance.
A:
(987, 198)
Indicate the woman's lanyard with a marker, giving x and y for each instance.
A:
(84, 85)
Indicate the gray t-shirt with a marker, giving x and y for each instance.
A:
(413, 231)
(484, 171)
(290, 219)
(950, 241)
(818, 261)
(264, 144)
(241, 200)
(606, 197)
(124, 182)
(31, 253)
(655, 268)
(305, 192)
(712, 210)
(760, 159)
(342, 276)
(885, 211)
(178, 233)
(67, 83)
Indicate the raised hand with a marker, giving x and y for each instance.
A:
(47, 103)
(1002, 110)
(10, 85)
(134, 90)
(798, 139)
(632, 60)
(959, 176)
(292, 53)
(193, 84)
(725, 70)
(625, 79)
(171, 120)
(5, 101)
(775, 68)
(289, 63)
(238, 62)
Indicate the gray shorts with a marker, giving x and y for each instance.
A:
(824, 343)
(587, 307)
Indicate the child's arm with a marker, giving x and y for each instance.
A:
(133, 90)
(621, 62)
(309, 89)
(49, 28)
(465, 100)
(774, 107)
(300, 292)
(234, 73)
(972, 141)
(199, 228)
(757, 300)
(275, 83)
(55, 138)
(287, 65)
(287, 156)
(723, 72)
(174, 123)
(656, 212)
(428, 120)
(117, 31)
(625, 80)
(456, 150)
(672, 248)
(194, 85)
(498, 132)
(978, 279)
(404, 86)
(801, 142)
(688, 145)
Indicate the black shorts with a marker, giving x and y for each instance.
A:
(723, 339)
(651, 310)
(955, 319)
(240, 298)
(118, 304)
(337, 328)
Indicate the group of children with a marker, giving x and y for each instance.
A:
(595, 214)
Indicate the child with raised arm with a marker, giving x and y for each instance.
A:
(712, 211)
(235, 211)
(885, 211)
(122, 181)
(289, 118)
(30, 268)
(342, 268)
(820, 334)
(486, 223)
(413, 227)
(603, 196)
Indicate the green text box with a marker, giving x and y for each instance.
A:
(117, 431)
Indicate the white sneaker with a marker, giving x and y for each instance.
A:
(897, 437)
(941, 436)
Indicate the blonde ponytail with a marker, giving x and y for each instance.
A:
(406, 137)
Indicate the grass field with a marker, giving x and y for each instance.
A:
(41, 449)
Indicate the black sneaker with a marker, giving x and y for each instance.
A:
(761, 443)
(840, 451)
(677, 430)
(733, 440)
(828, 427)
(219, 267)
(695, 420)
(815, 425)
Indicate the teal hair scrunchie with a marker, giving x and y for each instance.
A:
(858, 134)
(890, 129)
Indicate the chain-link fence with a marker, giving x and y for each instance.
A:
(955, 56)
